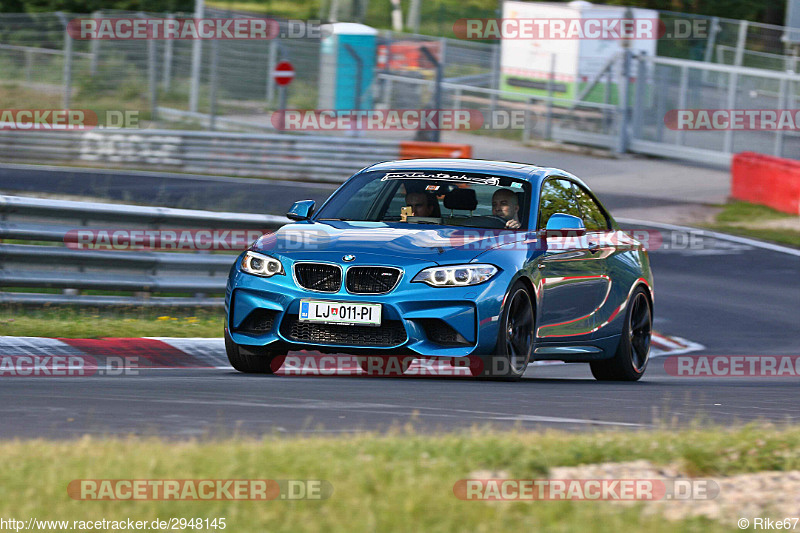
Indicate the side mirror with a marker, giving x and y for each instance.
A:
(301, 210)
(563, 225)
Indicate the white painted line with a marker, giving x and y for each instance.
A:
(666, 341)
(688, 346)
(717, 235)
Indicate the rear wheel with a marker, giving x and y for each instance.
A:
(630, 359)
(248, 361)
(515, 340)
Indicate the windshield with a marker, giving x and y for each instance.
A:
(432, 197)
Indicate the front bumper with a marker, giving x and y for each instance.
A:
(416, 319)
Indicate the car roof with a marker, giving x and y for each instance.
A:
(525, 171)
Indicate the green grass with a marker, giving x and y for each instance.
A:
(82, 322)
(401, 481)
(743, 218)
(738, 211)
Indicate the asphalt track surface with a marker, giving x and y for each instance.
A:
(730, 297)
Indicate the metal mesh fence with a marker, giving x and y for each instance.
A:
(40, 66)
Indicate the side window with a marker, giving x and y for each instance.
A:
(592, 214)
(556, 197)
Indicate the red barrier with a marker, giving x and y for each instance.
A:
(766, 180)
(420, 149)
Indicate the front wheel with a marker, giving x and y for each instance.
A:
(515, 340)
(248, 361)
(630, 359)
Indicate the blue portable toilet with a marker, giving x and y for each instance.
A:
(340, 73)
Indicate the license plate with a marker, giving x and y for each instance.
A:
(340, 312)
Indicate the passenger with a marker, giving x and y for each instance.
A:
(505, 205)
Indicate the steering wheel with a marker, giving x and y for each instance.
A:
(501, 222)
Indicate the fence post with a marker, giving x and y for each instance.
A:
(682, 98)
(273, 60)
(622, 140)
(212, 95)
(443, 53)
(151, 75)
(659, 87)
(95, 46)
(607, 99)
(166, 78)
(551, 80)
(526, 131)
(28, 64)
(741, 42)
(778, 150)
(638, 104)
(388, 92)
(197, 53)
(437, 95)
(67, 62)
(495, 83)
(708, 56)
(733, 81)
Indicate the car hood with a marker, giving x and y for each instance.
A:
(438, 244)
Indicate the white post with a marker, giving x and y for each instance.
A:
(67, 68)
(166, 79)
(273, 60)
(333, 14)
(397, 16)
(95, 47)
(741, 43)
(197, 52)
(682, 99)
(413, 16)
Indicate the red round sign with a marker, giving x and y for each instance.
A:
(283, 73)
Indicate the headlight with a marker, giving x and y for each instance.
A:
(261, 265)
(456, 276)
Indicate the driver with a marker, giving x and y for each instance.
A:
(505, 205)
(423, 204)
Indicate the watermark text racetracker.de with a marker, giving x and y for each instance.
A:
(67, 366)
(303, 238)
(244, 28)
(400, 119)
(585, 489)
(66, 119)
(161, 239)
(199, 489)
(733, 366)
(590, 28)
(733, 119)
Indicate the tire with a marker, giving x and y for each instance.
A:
(385, 366)
(632, 355)
(515, 339)
(249, 363)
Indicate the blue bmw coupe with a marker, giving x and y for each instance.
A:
(495, 263)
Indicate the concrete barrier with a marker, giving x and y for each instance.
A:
(766, 180)
(421, 149)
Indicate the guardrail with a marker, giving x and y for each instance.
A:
(278, 155)
(43, 261)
